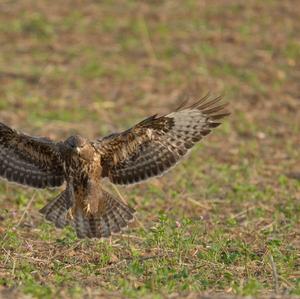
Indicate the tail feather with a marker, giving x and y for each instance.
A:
(81, 224)
(103, 228)
(114, 216)
(112, 222)
(121, 219)
(93, 227)
(56, 210)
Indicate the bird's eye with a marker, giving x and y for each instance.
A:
(71, 144)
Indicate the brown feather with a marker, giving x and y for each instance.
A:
(157, 143)
(27, 160)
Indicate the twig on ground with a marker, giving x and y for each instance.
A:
(25, 211)
(275, 274)
(119, 193)
(197, 203)
(242, 213)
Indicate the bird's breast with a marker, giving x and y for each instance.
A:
(80, 170)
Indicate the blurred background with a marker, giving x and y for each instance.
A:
(94, 67)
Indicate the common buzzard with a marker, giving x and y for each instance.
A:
(148, 149)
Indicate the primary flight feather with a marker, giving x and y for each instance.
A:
(148, 149)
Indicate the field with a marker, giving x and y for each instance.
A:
(227, 219)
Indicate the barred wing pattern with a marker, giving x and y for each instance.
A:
(156, 144)
(32, 161)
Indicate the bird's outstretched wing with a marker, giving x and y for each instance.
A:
(157, 143)
(32, 161)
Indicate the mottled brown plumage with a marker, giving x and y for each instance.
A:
(146, 150)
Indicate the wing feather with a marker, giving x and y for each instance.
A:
(156, 144)
(32, 161)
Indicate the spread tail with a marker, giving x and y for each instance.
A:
(57, 209)
(113, 216)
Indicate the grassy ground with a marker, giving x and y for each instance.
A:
(226, 220)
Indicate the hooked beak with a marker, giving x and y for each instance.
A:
(77, 150)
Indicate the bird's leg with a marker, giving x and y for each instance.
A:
(91, 202)
(71, 196)
(70, 214)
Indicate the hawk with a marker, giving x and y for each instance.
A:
(146, 150)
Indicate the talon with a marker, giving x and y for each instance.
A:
(88, 208)
(70, 214)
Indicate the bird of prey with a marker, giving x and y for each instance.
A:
(148, 149)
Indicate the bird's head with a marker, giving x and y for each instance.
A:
(76, 143)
